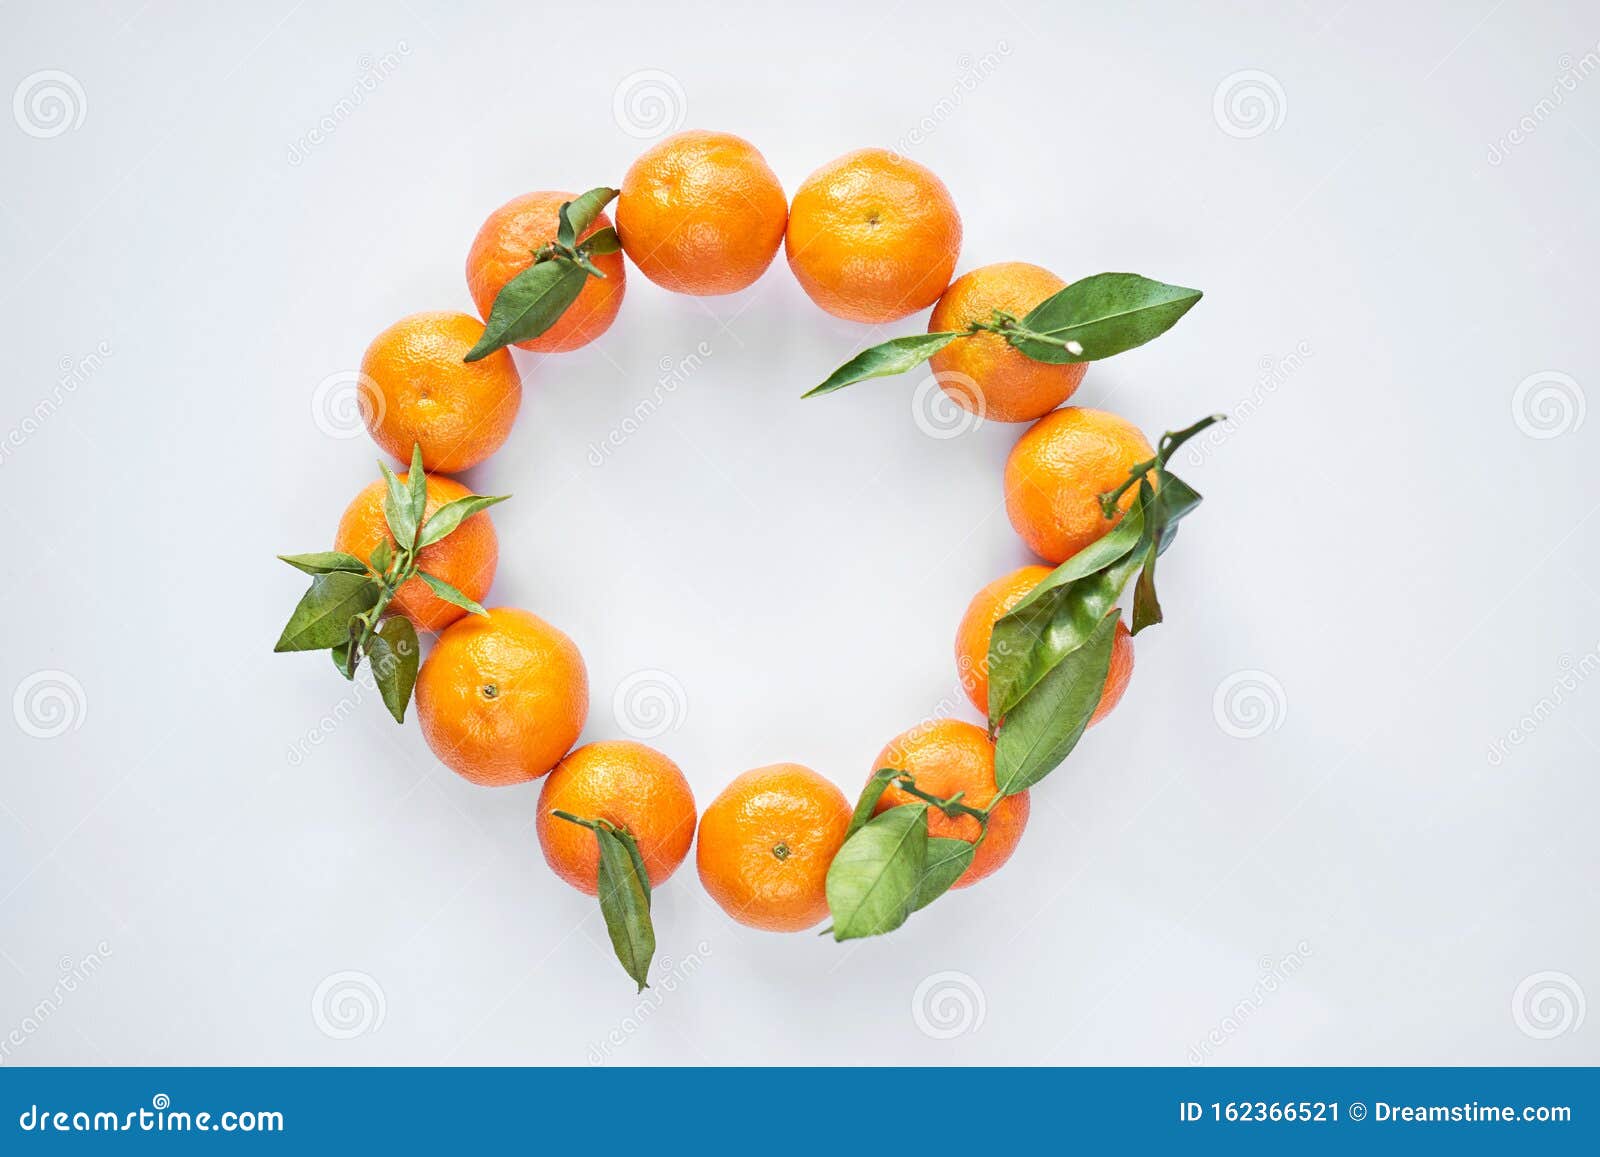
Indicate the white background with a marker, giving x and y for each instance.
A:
(1397, 547)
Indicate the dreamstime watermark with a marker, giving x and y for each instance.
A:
(674, 373)
(347, 404)
(1249, 103)
(1573, 674)
(73, 974)
(372, 71)
(71, 375)
(1248, 704)
(948, 1004)
(364, 684)
(348, 1004)
(1273, 973)
(649, 703)
(1571, 73)
(972, 72)
(1273, 374)
(947, 405)
(649, 103)
(668, 976)
(48, 704)
(48, 103)
(1547, 1005)
(1548, 404)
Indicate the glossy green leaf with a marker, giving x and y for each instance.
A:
(382, 555)
(322, 618)
(530, 303)
(895, 356)
(870, 795)
(1041, 730)
(394, 654)
(578, 214)
(449, 593)
(452, 514)
(625, 902)
(397, 507)
(325, 562)
(341, 660)
(1060, 613)
(1105, 314)
(874, 877)
(417, 480)
(601, 242)
(947, 859)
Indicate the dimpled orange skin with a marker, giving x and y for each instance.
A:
(458, 412)
(465, 559)
(502, 697)
(1057, 471)
(785, 807)
(504, 247)
(629, 785)
(701, 213)
(947, 756)
(984, 373)
(1000, 598)
(873, 237)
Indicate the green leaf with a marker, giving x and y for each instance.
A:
(1060, 613)
(325, 562)
(322, 617)
(625, 902)
(1146, 606)
(341, 660)
(394, 653)
(875, 875)
(1041, 730)
(397, 507)
(382, 555)
(417, 479)
(870, 795)
(895, 356)
(579, 213)
(601, 242)
(449, 593)
(947, 859)
(530, 303)
(453, 514)
(1105, 314)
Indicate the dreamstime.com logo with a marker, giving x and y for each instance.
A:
(674, 373)
(346, 404)
(73, 974)
(1249, 103)
(1248, 704)
(1570, 74)
(949, 1004)
(1547, 1005)
(1273, 373)
(48, 704)
(649, 103)
(48, 103)
(668, 976)
(973, 71)
(1574, 673)
(1548, 404)
(72, 375)
(160, 1117)
(947, 405)
(1273, 973)
(649, 703)
(371, 72)
(348, 1004)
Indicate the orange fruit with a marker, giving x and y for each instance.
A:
(629, 785)
(701, 213)
(947, 756)
(873, 236)
(985, 373)
(424, 394)
(504, 247)
(1000, 598)
(1057, 471)
(766, 843)
(465, 559)
(502, 697)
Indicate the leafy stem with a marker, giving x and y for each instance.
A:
(1007, 325)
(952, 806)
(1169, 443)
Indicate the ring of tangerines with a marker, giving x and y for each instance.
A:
(1043, 652)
